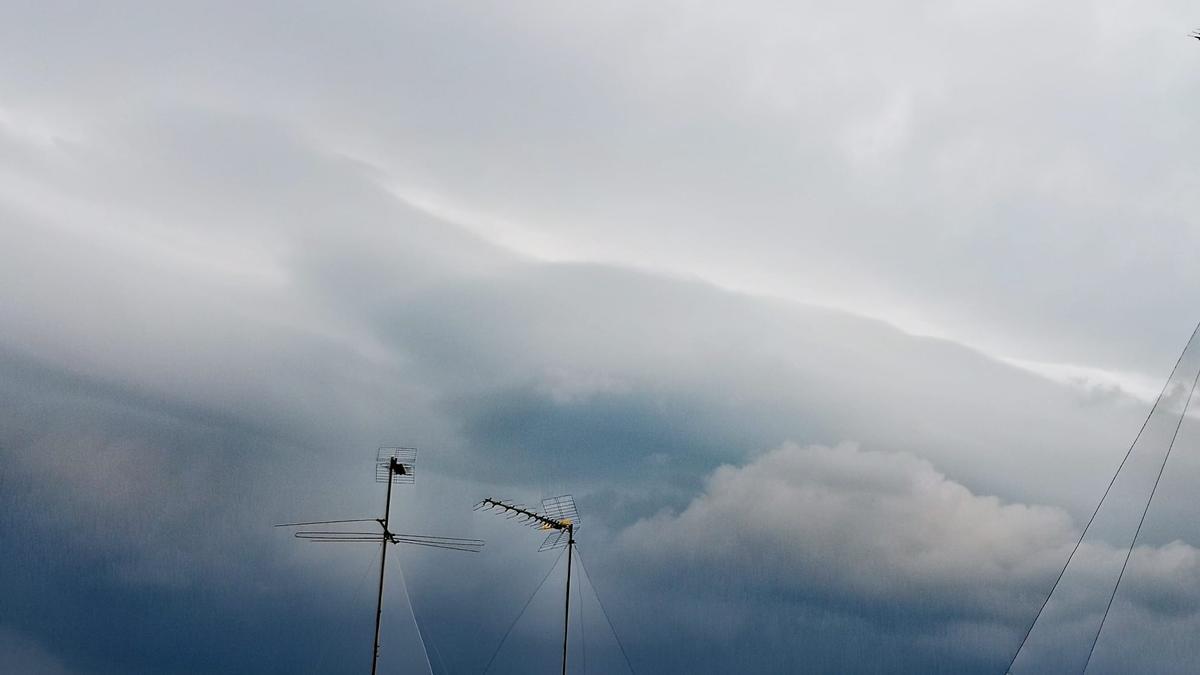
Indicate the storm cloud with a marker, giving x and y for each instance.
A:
(835, 320)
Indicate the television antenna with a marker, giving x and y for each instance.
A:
(394, 466)
(558, 515)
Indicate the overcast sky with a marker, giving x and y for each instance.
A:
(835, 318)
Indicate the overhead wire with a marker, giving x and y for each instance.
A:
(1103, 498)
(327, 522)
(522, 612)
(611, 627)
(1138, 531)
(412, 612)
(431, 641)
(438, 653)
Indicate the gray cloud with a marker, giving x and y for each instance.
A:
(897, 166)
(887, 539)
(193, 387)
(915, 532)
(242, 247)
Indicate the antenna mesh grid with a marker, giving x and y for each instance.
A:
(556, 539)
(407, 457)
(561, 507)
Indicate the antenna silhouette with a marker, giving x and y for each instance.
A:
(561, 517)
(392, 466)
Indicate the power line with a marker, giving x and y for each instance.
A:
(1096, 511)
(1145, 510)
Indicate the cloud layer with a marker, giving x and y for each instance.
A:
(213, 403)
(616, 251)
(885, 539)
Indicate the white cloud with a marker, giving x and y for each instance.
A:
(279, 224)
(906, 164)
(878, 535)
(867, 523)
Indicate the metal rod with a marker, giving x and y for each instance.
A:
(526, 515)
(387, 510)
(567, 614)
(324, 522)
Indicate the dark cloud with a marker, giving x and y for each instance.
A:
(242, 247)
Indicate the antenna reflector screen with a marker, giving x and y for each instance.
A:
(554, 540)
(561, 508)
(405, 457)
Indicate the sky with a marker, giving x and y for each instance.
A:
(836, 320)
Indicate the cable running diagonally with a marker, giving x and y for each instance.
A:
(607, 618)
(522, 612)
(1138, 531)
(413, 613)
(1075, 550)
(438, 653)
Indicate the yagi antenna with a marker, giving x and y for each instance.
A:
(561, 517)
(394, 466)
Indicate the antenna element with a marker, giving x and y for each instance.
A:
(559, 515)
(394, 466)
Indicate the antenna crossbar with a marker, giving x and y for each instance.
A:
(524, 515)
(558, 514)
(394, 466)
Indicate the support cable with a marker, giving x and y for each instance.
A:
(1107, 490)
(413, 613)
(1138, 531)
(432, 642)
(522, 612)
(438, 653)
(607, 618)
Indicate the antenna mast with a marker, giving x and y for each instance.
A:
(560, 516)
(395, 471)
(392, 466)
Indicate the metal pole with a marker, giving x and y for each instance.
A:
(567, 615)
(387, 509)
